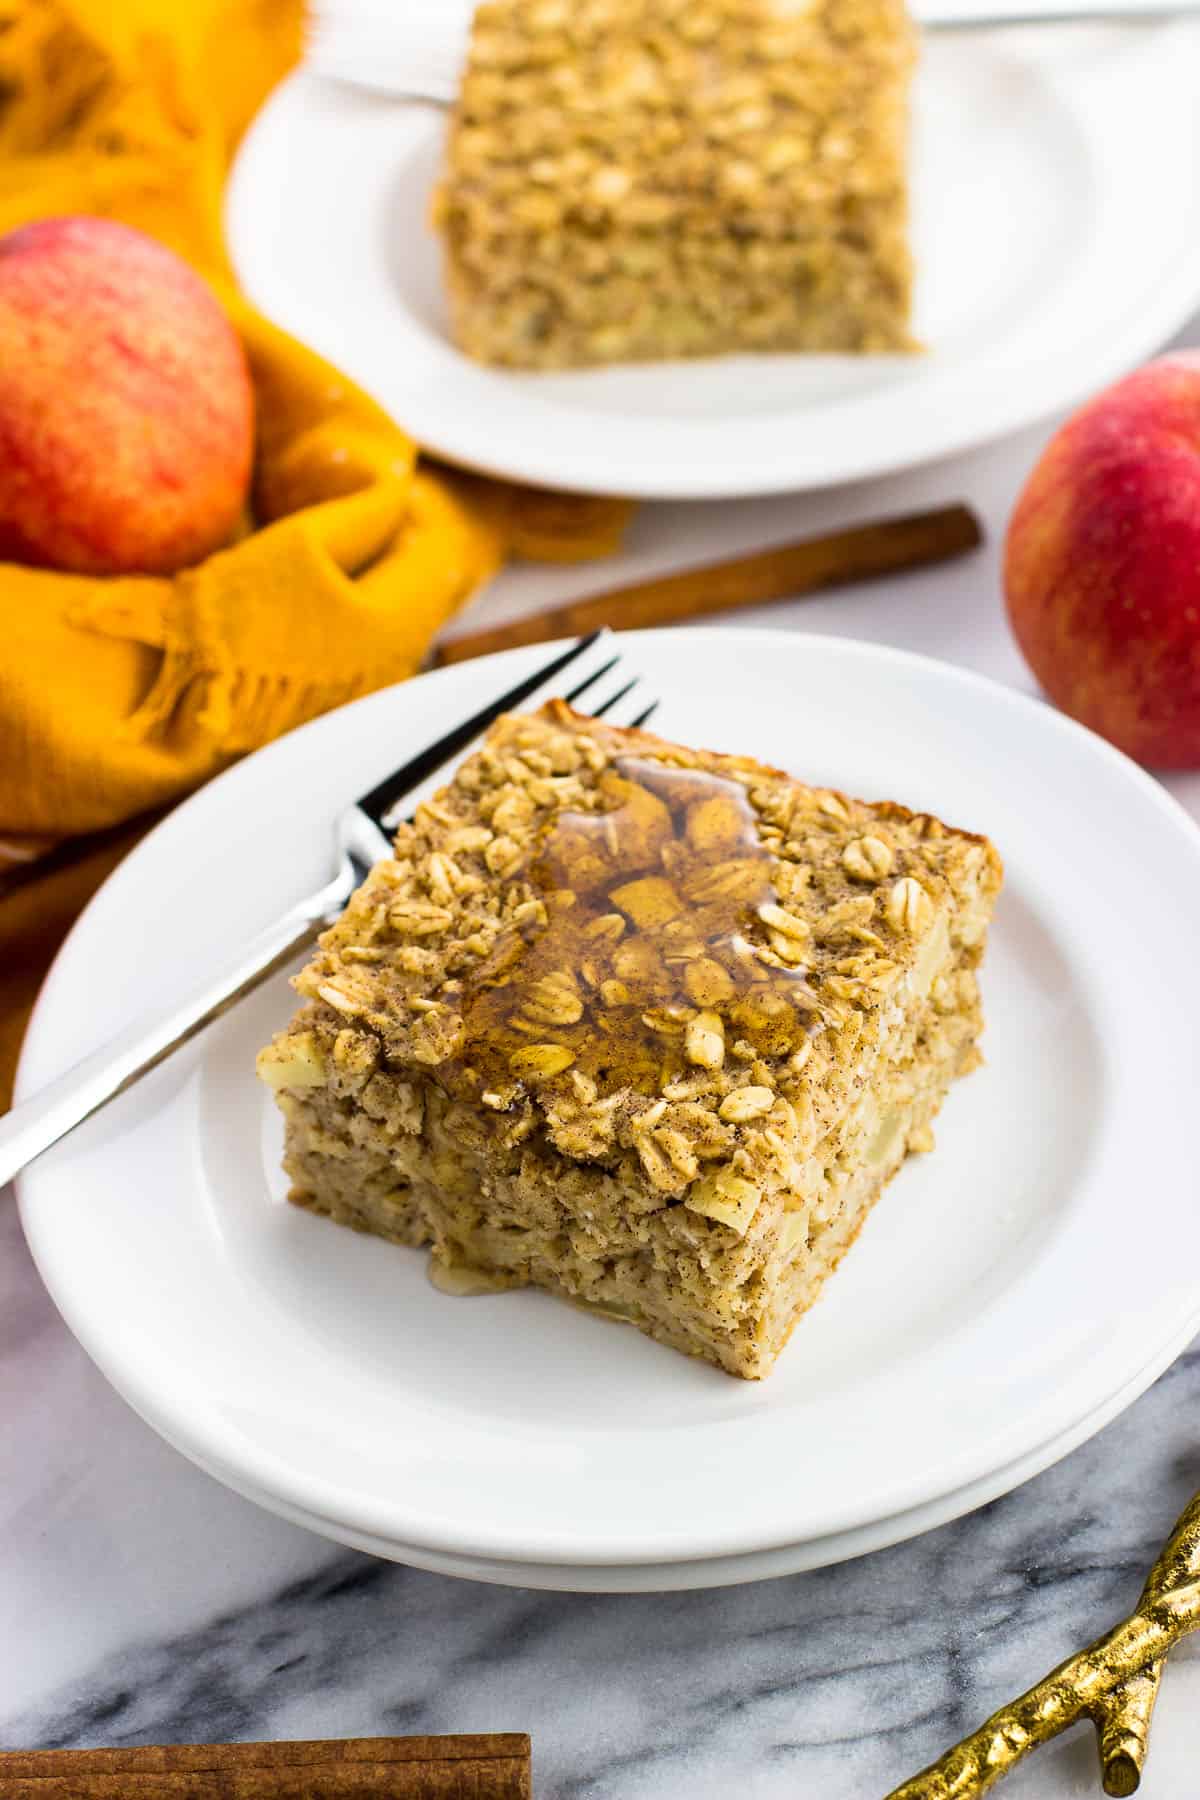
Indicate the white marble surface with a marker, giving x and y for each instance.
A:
(139, 1601)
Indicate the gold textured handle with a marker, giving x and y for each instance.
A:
(1094, 1684)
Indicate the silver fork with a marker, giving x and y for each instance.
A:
(415, 51)
(592, 671)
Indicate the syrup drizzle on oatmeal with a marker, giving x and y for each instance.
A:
(661, 945)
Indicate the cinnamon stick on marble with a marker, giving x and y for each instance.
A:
(494, 1767)
(785, 572)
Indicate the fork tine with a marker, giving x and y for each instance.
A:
(606, 706)
(592, 653)
(366, 826)
(588, 681)
(630, 709)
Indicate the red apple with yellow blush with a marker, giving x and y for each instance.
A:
(126, 410)
(1102, 564)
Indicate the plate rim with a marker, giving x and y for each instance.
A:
(917, 1492)
(1166, 300)
(735, 1569)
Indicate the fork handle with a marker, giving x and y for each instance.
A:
(37, 1123)
(1152, 12)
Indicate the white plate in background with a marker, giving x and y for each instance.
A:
(1009, 1293)
(1057, 230)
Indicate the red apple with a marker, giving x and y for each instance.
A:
(1102, 564)
(126, 411)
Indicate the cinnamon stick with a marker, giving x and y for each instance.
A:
(493, 1767)
(787, 571)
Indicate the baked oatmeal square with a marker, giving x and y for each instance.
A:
(645, 1026)
(633, 179)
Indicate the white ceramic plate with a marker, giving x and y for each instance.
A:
(1057, 229)
(751, 1565)
(1007, 1295)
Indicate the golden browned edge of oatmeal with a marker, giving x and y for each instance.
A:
(751, 1141)
(633, 179)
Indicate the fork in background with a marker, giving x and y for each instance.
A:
(416, 50)
(592, 672)
(362, 41)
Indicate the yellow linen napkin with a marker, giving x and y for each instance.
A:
(118, 695)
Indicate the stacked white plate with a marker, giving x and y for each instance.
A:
(1010, 1294)
(1056, 198)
